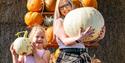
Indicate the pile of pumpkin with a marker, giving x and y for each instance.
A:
(35, 11)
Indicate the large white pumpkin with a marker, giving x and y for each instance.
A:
(83, 17)
(22, 46)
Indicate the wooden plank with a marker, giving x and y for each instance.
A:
(47, 13)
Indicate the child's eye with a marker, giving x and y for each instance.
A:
(37, 36)
(42, 37)
(67, 6)
(61, 9)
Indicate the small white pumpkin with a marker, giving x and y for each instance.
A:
(22, 45)
(48, 21)
(83, 17)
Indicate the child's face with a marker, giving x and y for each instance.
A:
(39, 39)
(65, 8)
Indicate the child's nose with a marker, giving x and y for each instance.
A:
(39, 38)
(64, 8)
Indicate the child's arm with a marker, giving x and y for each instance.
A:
(14, 55)
(46, 56)
(21, 59)
(61, 35)
(15, 58)
(95, 43)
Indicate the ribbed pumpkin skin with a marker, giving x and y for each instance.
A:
(35, 5)
(90, 3)
(32, 18)
(56, 54)
(22, 45)
(48, 21)
(49, 34)
(50, 5)
(76, 3)
(50, 38)
(83, 17)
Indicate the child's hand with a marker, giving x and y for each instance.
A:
(85, 33)
(102, 33)
(12, 50)
(34, 47)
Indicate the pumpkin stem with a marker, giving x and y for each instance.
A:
(25, 33)
(18, 34)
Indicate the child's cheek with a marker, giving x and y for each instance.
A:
(37, 44)
(34, 40)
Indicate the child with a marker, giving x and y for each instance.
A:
(72, 50)
(40, 55)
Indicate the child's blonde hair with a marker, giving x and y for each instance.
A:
(57, 12)
(36, 28)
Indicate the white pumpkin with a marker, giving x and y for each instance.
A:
(83, 17)
(48, 21)
(22, 45)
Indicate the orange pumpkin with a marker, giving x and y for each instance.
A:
(50, 5)
(76, 3)
(49, 34)
(90, 3)
(50, 38)
(35, 5)
(33, 18)
(56, 55)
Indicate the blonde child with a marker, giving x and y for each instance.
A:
(72, 49)
(40, 55)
